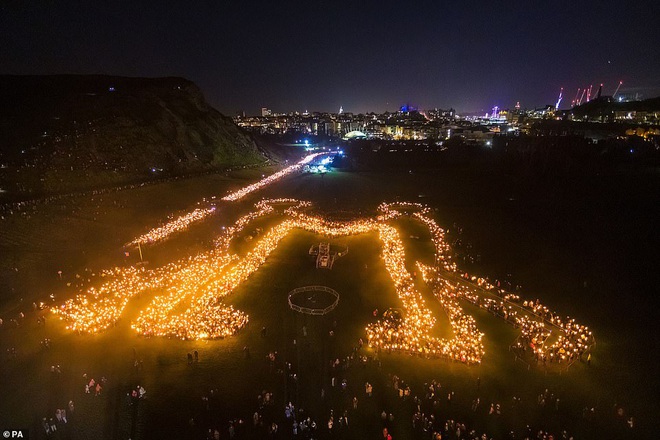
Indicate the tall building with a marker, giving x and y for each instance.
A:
(266, 111)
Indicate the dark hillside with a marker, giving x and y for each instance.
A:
(68, 132)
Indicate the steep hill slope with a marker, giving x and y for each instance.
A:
(70, 132)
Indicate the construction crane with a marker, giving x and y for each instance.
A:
(617, 89)
(582, 96)
(589, 92)
(561, 95)
(575, 100)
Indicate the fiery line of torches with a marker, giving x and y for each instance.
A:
(193, 290)
(184, 221)
(413, 333)
(529, 317)
(178, 224)
(239, 194)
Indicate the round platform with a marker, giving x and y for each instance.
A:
(313, 300)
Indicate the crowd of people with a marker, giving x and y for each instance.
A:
(348, 405)
(344, 409)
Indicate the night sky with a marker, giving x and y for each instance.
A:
(364, 55)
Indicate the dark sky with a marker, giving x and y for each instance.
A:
(364, 55)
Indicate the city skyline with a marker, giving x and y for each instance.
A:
(364, 57)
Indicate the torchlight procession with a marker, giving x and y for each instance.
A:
(178, 224)
(184, 221)
(286, 221)
(191, 305)
(239, 194)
